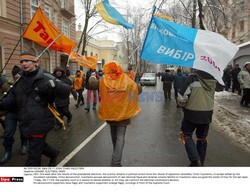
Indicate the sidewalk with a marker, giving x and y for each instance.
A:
(231, 118)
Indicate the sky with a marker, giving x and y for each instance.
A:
(120, 5)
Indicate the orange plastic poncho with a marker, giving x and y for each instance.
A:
(78, 81)
(131, 74)
(119, 95)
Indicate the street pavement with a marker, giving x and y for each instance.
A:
(152, 139)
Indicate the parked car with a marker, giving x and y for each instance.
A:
(148, 79)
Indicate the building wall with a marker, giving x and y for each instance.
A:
(11, 30)
(242, 56)
(236, 35)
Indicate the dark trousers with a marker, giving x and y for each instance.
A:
(80, 97)
(64, 111)
(37, 147)
(195, 151)
(10, 130)
(245, 100)
(236, 86)
(167, 94)
(118, 140)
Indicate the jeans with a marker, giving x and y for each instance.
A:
(94, 100)
(118, 140)
(37, 147)
(9, 132)
(195, 152)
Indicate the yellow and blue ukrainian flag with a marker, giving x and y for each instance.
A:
(111, 15)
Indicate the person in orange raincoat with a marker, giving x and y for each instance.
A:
(119, 103)
(79, 87)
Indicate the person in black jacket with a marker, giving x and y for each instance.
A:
(167, 80)
(62, 104)
(11, 126)
(31, 96)
(234, 73)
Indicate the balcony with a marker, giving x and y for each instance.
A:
(67, 8)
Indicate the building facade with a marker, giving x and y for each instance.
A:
(239, 32)
(14, 18)
(106, 50)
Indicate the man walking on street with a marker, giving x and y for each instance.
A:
(196, 96)
(118, 93)
(31, 96)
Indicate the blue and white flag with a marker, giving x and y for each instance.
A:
(168, 43)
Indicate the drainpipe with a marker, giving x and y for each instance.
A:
(21, 23)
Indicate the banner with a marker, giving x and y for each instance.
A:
(168, 43)
(89, 62)
(111, 15)
(42, 31)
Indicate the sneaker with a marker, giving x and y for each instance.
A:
(76, 105)
(53, 160)
(194, 164)
(87, 109)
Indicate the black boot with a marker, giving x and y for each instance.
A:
(53, 160)
(6, 157)
(24, 150)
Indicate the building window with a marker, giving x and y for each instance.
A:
(233, 34)
(65, 27)
(31, 50)
(242, 5)
(54, 18)
(91, 54)
(64, 4)
(45, 61)
(34, 6)
(241, 26)
(47, 10)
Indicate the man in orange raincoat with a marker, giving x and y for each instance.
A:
(119, 103)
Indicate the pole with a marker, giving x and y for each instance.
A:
(10, 56)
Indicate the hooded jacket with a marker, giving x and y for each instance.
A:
(62, 100)
(244, 78)
(196, 96)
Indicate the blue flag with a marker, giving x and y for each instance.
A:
(168, 43)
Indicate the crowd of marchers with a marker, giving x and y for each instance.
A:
(36, 101)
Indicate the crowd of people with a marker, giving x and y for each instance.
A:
(238, 79)
(38, 102)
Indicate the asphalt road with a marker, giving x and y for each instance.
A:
(152, 139)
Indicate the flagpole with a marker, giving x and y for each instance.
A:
(10, 56)
(56, 38)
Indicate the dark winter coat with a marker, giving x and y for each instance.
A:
(88, 74)
(62, 100)
(31, 96)
(234, 73)
(167, 80)
(178, 79)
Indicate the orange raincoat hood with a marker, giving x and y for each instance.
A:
(119, 94)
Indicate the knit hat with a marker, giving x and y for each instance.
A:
(28, 56)
(16, 70)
